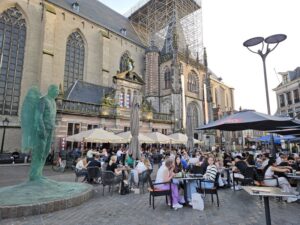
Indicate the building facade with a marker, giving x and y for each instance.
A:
(100, 62)
(287, 94)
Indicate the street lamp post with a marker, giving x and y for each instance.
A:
(5, 123)
(272, 40)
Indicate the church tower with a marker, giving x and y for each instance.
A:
(152, 76)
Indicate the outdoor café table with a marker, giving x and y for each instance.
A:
(267, 192)
(186, 179)
(295, 177)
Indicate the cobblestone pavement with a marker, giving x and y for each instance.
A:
(236, 208)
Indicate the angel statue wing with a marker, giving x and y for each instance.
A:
(28, 118)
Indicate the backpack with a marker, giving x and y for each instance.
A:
(124, 189)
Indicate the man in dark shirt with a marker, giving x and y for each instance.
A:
(239, 167)
(92, 168)
(95, 162)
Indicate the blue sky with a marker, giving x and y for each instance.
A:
(226, 25)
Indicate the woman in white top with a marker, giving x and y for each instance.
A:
(81, 168)
(143, 165)
(165, 174)
(283, 182)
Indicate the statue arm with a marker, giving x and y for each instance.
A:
(40, 120)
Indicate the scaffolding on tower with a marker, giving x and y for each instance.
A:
(169, 24)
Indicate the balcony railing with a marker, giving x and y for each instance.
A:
(79, 108)
(82, 108)
(162, 116)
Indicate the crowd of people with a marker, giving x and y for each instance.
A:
(267, 171)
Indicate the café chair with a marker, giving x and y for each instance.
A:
(249, 177)
(213, 191)
(94, 173)
(154, 192)
(108, 178)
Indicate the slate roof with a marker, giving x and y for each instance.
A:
(294, 74)
(102, 15)
(82, 91)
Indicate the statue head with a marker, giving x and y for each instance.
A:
(53, 91)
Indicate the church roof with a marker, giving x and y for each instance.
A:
(102, 15)
(82, 91)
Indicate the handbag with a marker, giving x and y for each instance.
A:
(197, 201)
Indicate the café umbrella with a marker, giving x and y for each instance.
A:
(250, 119)
(97, 135)
(142, 138)
(159, 138)
(134, 129)
(182, 138)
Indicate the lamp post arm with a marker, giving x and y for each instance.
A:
(252, 50)
(272, 49)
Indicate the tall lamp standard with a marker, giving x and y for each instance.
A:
(5, 123)
(273, 40)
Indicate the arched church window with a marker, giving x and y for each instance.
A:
(12, 48)
(195, 116)
(74, 62)
(194, 113)
(193, 82)
(167, 77)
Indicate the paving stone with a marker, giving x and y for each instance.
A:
(236, 208)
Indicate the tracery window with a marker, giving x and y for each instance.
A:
(193, 82)
(12, 48)
(74, 62)
(125, 62)
(167, 77)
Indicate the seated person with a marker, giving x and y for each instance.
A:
(134, 174)
(113, 167)
(178, 166)
(264, 160)
(282, 181)
(165, 174)
(95, 162)
(194, 160)
(90, 154)
(104, 155)
(250, 160)
(184, 163)
(209, 176)
(80, 168)
(238, 169)
(129, 160)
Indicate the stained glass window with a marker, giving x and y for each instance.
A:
(12, 48)
(74, 62)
